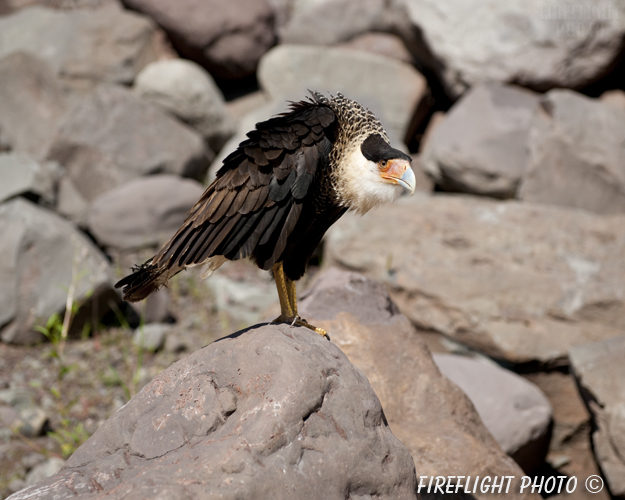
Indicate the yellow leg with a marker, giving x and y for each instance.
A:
(291, 294)
(286, 309)
(288, 302)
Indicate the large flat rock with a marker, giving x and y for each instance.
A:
(270, 412)
(517, 281)
(427, 412)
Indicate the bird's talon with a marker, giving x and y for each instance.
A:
(297, 321)
(322, 332)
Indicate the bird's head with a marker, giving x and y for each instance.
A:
(374, 173)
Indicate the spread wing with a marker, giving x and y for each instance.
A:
(256, 200)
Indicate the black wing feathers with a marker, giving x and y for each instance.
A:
(255, 202)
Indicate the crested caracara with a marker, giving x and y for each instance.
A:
(279, 192)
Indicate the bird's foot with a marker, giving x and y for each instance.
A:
(297, 321)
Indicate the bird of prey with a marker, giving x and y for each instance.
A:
(279, 192)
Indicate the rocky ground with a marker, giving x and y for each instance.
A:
(488, 316)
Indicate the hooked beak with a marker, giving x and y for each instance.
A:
(400, 172)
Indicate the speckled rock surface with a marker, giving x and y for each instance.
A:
(269, 412)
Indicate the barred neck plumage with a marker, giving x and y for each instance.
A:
(354, 119)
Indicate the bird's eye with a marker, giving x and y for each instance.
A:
(383, 164)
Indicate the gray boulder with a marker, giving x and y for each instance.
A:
(269, 412)
(151, 337)
(70, 203)
(244, 301)
(393, 90)
(600, 375)
(245, 104)
(517, 281)
(334, 21)
(384, 44)
(437, 118)
(43, 256)
(5, 142)
(22, 175)
(156, 308)
(429, 414)
(84, 46)
(187, 91)
(481, 145)
(43, 470)
(577, 152)
(113, 136)
(31, 103)
(22, 412)
(283, 9)
(144, 212)
(515, 411)
(9, 6)
(532, 43)
(227, 38)
(424, 181)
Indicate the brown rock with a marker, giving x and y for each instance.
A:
(428, 413)
(614, 97)
(519, 282)
(270, 412)
(570, 450)
(600, 373)
(228, 38)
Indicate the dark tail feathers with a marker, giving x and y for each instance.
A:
(142, 282)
